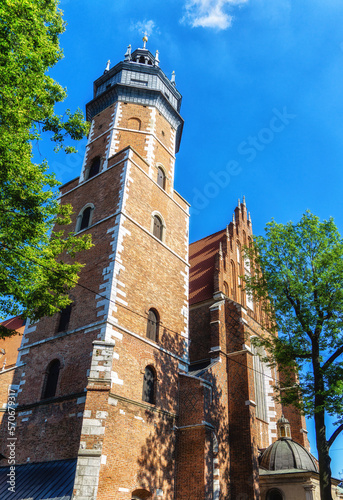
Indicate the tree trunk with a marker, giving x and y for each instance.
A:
(319, 419)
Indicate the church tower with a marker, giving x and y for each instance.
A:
(108, 365)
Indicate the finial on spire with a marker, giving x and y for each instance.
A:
(244, 201)
(128, 53)
(249, 217)
(157, 61)
(220, 250)
(239, 203)
(107, 66)
(233, 219)
(173, 78)
(145, 39)
(227, 232)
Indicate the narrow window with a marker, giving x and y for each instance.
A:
(161, 178)
(85, 219)
(64, 319)
(233, 281)
(158, 227)
(226, 289)
(152, 325)
(94, 168)
(51, 379)
(260, 392)
(149, 386)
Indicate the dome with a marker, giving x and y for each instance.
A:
(287, 454)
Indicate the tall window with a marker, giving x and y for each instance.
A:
(149, 385)
(158, 227)
(94, 168)
(152, 325)
(51, 379)
(249, 297)
(226, 289)
(84, 219)
(260, 390)
(64, 319)
(161, 178)
(233, 281)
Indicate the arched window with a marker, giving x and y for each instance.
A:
(84, 218)
(149, 385)
(158, 227)
(161, 178)
(51, 379)
(226, 289)
(94, 169)
(64, 318)
(274, 494)
(152, 325)
(134, 123)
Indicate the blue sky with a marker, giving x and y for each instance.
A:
(262, 101)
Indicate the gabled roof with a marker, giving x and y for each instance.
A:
(201, 258)
(40, 481)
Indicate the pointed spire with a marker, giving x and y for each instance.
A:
(107, 66)
(173, 78)
(128, 53)
(233, 219)
(239, 203)
(249, 217)
(244, 201)
(227, 232)
(157, 61)
(220, 250)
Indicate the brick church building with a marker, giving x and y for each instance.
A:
(148, 386)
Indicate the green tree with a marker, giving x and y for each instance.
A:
(297, 276)
(37, 266)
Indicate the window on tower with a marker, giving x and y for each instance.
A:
(51, 379)
(152, 325)
(149, 383)
(94, 168)
(157, 227)
(134, 123)
(64, 319)
(161, 178)
(84, 218)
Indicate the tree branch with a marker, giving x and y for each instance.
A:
(334, 435)
(332, 358)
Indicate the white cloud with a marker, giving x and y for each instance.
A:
(145, 26)
(209, 13)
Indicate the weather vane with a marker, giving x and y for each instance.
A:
(145, 39)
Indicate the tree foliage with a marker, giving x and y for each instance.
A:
(34, 277)
(298, 279)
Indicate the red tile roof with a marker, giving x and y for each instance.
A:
(201, 258)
